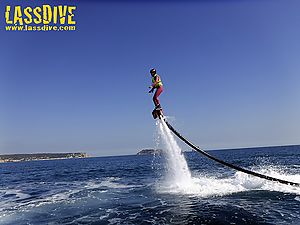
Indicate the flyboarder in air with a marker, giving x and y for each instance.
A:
(158, 85)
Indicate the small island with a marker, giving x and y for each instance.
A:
(40, 156)
(150, 152)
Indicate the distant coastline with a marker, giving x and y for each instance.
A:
(273, 147)
(40, 156)
(150, 152)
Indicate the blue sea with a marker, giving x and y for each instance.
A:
(133, 190)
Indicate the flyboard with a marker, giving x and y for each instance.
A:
(158, 113)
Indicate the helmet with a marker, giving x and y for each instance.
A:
(153, 71)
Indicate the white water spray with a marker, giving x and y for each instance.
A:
(178, 174)
(179, 179)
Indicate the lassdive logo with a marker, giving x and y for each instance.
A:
(40, 18)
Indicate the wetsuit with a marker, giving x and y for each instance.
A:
(158, 85)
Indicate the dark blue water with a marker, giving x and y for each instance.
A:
(132, 190)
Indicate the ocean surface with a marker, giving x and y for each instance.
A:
(138, 190)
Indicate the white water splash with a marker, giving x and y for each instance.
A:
(180, 181)
(178, 174)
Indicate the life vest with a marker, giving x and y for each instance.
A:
(159, 83)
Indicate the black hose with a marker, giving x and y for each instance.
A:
(226, 163)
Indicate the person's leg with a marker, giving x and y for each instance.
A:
(156, 95)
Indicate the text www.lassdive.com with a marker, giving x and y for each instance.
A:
(40, 28)
(40, 18)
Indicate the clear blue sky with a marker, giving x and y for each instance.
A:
(230, 68)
